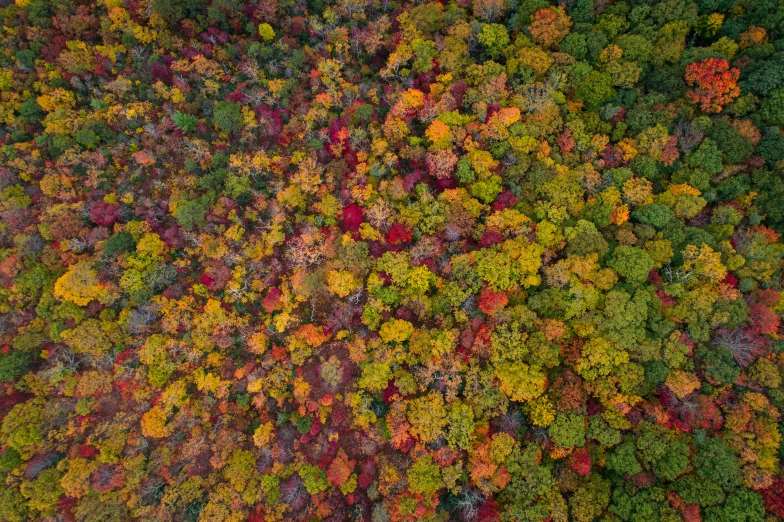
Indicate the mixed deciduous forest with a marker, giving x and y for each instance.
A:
(391, 260)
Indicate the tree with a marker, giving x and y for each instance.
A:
(89, 337)
(549, 26)
(154, 423)
(632, 263)
(682, 383)
(190, 214)
(396, 330)
(13, 506)
(339, 470)
(14, 364)
(239, 469)
(595, 89)
(104, 214)
(43, 492)
(623, 459)
(599, 357)
(266, 32)
(185, 122)
(707, 157)
(80, 284)
(489, 10)
(441, 164)
(119, 243)
(342, 282)
(698, 491)
(590, 500)
(263, 435)
(491, 302)
(460, 434)
(714, 82)
(519, 381)
(773, 107)
(704, 262)
(495, 38)
(76, 481)
(20, 428)
(439, 135)
(516, 262)
(315, 480)
(227, 116)
(424, 477)
(715, 461)
(584, 238)
(427, 416)
(742, 504)
(174, 11)
(375, 376)
(567, 430)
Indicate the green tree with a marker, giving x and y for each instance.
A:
(185, 122)
(773, 107)
(742, 505)
(119, 244)
(424, 476)
(190, 214)
(315, 479)
(707, 157)
(590, 499)
(227, 116)
(584, 238)
(460, 431)
(495, 38)
(239, 469)
(623, 459)
(632, 263)
(14, 364)
(13, 506)
(666, 454)
(595, 89)
(568, 430)
(698, 491)
(43, 493)
(21, 427)
(715, 461)
(599, 357)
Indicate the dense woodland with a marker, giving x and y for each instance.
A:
(381, 260)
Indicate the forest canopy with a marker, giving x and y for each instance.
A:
(390, 260)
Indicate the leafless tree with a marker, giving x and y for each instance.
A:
(678, 275)
(538, 95)
(468, 503)
(140, 319)
(744, 345)
(688, 136)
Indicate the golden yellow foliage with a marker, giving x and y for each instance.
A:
(263, 434)
(342, 282)
(80, 285)
(396, 330)
(154, 423)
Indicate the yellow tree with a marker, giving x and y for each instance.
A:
(80, 285)
(154, 423)
(599, 357)
(519, 381)
(427, 416)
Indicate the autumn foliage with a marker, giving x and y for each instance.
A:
(714, 82)
(391, 261)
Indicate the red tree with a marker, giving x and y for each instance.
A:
(715, 84)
